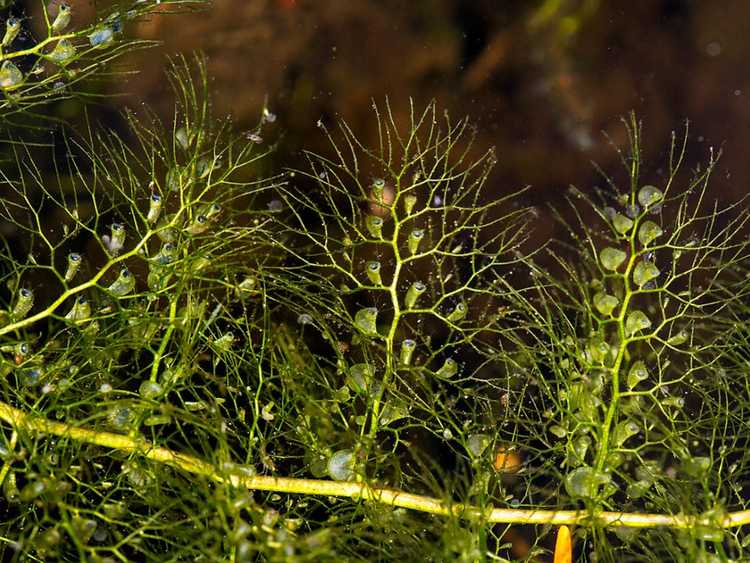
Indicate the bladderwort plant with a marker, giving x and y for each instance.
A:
(370, 357)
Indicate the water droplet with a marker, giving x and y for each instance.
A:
(374, 225)
(636, 322)
(448, 369)
(605, 303)
(341, 465)
(622, 223)
(415, 237)
(10, 75)
(150, 389)
(649, 195)
(644, 272)
(407, 350)
(24, 303)
(366, 319)
(638, 372)
(373, 272)
(413, 293)
(648, 232)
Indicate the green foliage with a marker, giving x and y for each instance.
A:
(37, 70)
(366, 358)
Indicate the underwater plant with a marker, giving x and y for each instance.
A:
(366, 357)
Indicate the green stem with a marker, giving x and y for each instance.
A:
(22, 421)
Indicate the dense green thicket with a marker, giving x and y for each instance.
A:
(362, 359)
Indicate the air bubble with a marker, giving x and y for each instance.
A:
(612, 258)
(605, 303)
(648, 232)
(415, 237)
(341, 465)
(373, 272)
(407, 351)
(644, 272)
(649, 195)
(366, 319)
(413, 293)
(636, 322)
(374, 225)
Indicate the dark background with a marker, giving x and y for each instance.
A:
(542, 80)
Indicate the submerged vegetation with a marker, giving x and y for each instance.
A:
(364, 358)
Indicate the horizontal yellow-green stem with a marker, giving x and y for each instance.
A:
(360, 491)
